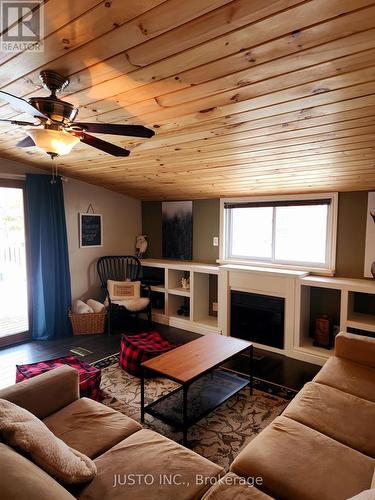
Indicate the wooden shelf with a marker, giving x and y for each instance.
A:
(179, 291)
(208, 321)
(361, 321)
(308, 346)
(200, 295)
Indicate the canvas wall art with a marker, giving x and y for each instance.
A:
(370, 237)
(177, 219)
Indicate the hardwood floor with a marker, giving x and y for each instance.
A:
(268, 366)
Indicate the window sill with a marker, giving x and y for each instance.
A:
(251, 263)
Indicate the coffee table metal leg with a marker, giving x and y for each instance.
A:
(142, 395)
(251, 367)
(185, 388)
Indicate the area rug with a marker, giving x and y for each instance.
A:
(221, 435)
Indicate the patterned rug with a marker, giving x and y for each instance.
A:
(219, 436)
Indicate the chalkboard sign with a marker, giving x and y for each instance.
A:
(91, 230)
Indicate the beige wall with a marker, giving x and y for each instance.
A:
(351, 231)
(121, 224)
(351, 234)
(205, 226)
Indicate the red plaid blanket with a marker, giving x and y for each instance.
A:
(89, 376)
(135, 349)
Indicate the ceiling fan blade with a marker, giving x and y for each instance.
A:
(117, 129)
(21, 105)
(17, 122)
(105, 146)
(27, 142)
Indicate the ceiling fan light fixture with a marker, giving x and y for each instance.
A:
(53, 142)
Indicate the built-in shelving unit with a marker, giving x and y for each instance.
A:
(187, 308)
(349, 303)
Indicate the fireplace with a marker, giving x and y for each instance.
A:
(258, 318)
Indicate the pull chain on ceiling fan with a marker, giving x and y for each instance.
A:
(57, 132)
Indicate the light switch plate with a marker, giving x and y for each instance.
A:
(215, 241)
(214, 306)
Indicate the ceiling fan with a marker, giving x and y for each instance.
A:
(56, 132)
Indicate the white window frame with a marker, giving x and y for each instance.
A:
(328, 268)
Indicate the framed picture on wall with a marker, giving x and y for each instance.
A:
(370, 237)
(90, 230)
(177, 230)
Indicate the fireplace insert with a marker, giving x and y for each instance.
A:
(258, 318)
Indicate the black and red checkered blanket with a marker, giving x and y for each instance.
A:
(89, 376)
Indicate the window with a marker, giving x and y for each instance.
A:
(296, 232)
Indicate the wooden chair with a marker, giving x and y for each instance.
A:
(122, 268)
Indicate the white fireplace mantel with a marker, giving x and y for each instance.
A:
(265, 281)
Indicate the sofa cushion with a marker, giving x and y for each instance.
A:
(347, 376)
(158, 461)
(90, 427)
(232, 487)
(337, 414)
(20, 479)
(298, 462)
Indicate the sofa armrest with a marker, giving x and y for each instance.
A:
(46, 393)
(357, 348)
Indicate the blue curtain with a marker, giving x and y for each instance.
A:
(49, 259)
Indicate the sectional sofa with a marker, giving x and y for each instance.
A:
(321, 447)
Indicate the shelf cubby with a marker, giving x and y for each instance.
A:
(202, 307)
(315, 302)
(175, 303)
(361, 311)
(175, 277)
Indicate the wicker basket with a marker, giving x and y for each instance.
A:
(87, 323)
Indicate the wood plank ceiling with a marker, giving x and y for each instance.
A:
(246, 97)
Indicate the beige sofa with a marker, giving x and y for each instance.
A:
(121, 449)
(322, 447)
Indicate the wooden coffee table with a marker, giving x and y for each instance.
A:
(204, 386)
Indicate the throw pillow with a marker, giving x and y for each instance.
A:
(119, 290)
(96, 306)
(79, 307)
(22, 430)
(364, 495)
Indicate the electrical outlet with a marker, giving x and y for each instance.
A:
(214, 306)
(215, 241)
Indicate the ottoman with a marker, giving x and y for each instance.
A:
(135, 349)
(89, 376)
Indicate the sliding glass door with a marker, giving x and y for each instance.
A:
(14, 310)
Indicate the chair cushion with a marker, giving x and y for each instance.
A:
(23, 430)
(298, 462)
(232, 487)
(337, 414)
(133, 305)
(22, 480)
(156, 459)
(91, 427)
(347, 376)
(120, 290)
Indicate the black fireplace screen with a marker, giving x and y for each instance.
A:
(258, 318)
